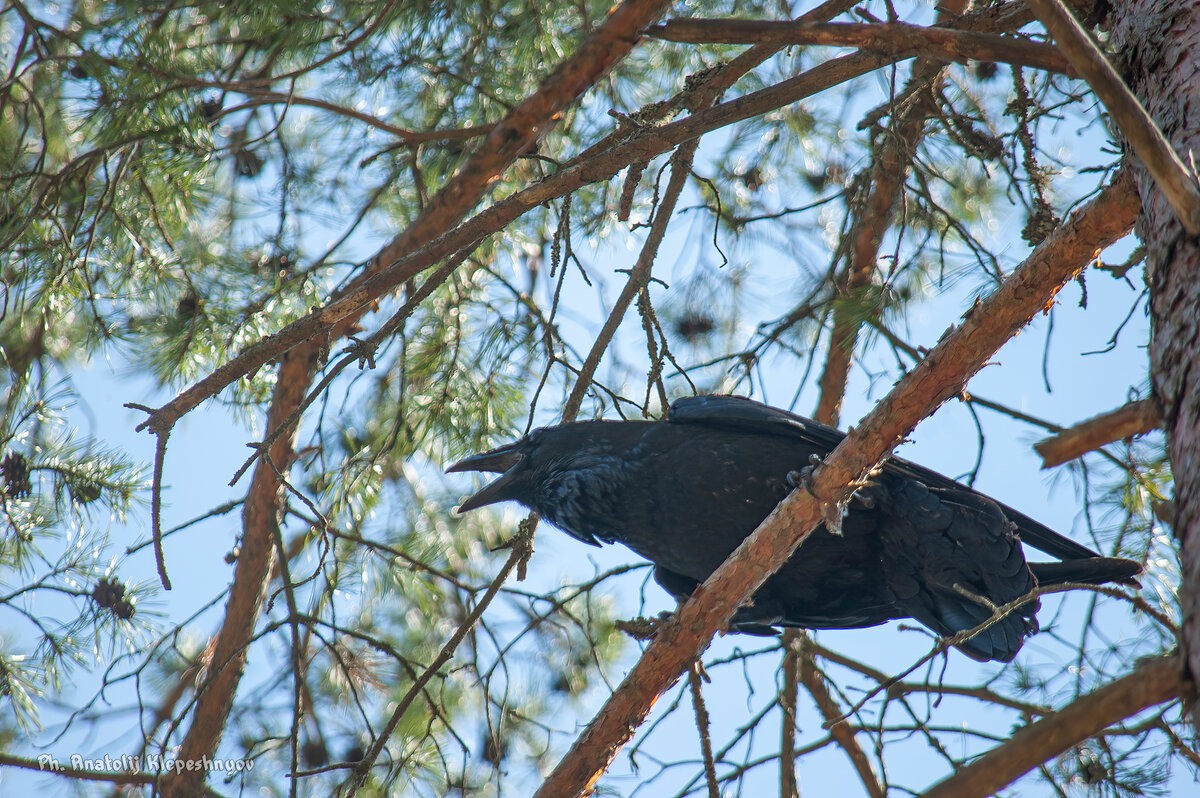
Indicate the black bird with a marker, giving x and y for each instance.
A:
(684, 492)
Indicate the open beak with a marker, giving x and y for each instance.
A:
(504, 461)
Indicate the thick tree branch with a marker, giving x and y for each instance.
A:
(1178, 183)
(1155, 681)
(961, 352)
(390, 268)
(256, 559)
(606, 45)
(890, 38)
(1135, 418)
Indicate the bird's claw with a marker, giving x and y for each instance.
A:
(803, 477)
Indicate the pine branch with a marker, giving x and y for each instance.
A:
(1178, 184)
(610, 42)
(890, 38)
(960, 353)
(889, 164)
(1155, 681)
(1135, 418)
(843, 733)
(395, 265)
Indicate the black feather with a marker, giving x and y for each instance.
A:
(685, 492)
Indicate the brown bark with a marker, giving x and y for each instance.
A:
(961, 352)
(889, 165)
(527, 122)
(893, 153)
(1153, 682)
(1159, 44)
(214, 697)
(895, 38)
(599, 162)
(1135, 418)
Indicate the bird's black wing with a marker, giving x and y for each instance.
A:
(747, 415)
(739, 413)
(952, 558)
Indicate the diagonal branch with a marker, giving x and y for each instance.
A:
(961, 352)
(396, 264)
(889, 164)
(529, 120)
(1149, 144)
(1155, 681)
(891, 157)
(1135, 418)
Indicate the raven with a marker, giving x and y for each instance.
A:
(684, 492)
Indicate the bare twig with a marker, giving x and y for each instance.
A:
(702, 725)
(891, 38)
(363, 768)
(1149, 144)
(1155, 681)
(1135, 418)
(639, 276)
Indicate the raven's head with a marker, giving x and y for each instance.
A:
(554, 470)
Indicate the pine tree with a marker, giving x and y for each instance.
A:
(366, 239)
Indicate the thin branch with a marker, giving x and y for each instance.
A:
(702, 727)
(1149, 144)
(960, 353)
(264, 97)
(513, 135)
(890, 38)
(639, 276)
(787, 703)
(402, 259)
(363, 768)
(843, 733)
(873, 215)
(1135, 418)
(48, 764)
(1155, 681)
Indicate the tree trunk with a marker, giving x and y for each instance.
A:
(1158, 46)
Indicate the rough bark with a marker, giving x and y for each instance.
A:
(524, 125)
(1131, 420)
(1158, 42)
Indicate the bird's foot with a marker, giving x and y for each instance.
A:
(804, 477)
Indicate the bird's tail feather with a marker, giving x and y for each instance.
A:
(1092, 571)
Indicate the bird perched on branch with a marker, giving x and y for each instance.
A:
(684, 492)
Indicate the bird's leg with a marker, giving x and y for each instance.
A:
(804, 477)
